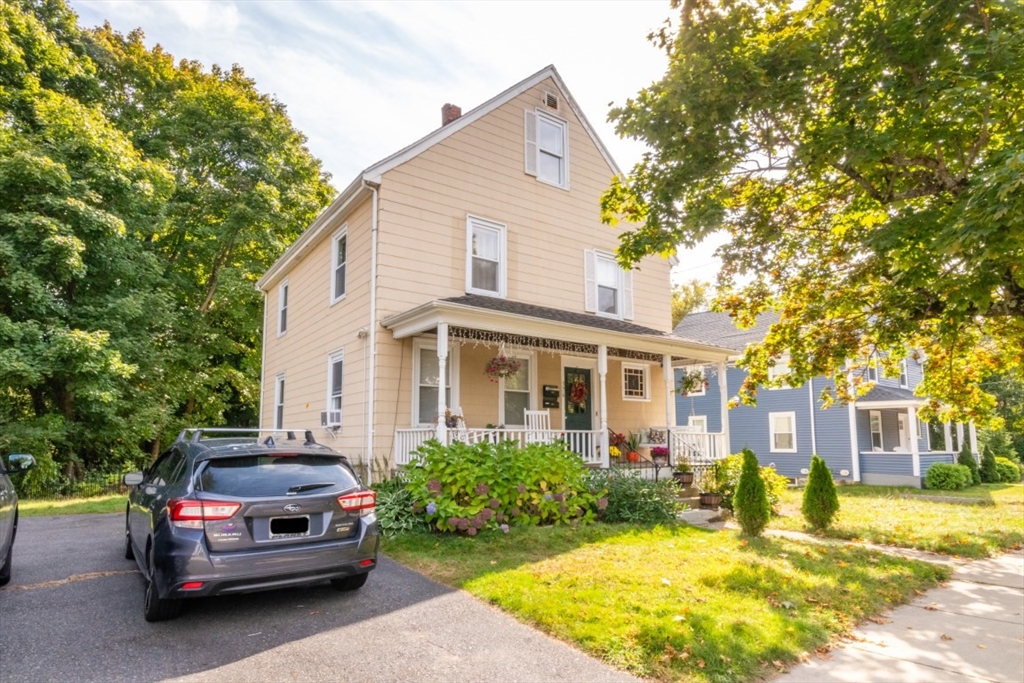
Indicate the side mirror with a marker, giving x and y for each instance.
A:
(132, 479)
(20, 462)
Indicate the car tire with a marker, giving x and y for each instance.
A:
(350, 583)
(156, 608)
(5, 568)
(129, 554)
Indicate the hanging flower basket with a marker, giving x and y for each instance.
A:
(692, 382)
(501, 367)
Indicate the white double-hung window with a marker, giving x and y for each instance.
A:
(335, 384)
(609, 289)
(279, 401)
(282, 308)
(427, 374)
(547, 148)
(516, 393)
(339, 264)
(782, 428)
(485, 257)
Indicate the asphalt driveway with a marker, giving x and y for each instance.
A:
(74, 612)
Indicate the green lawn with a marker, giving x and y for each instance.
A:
(672, 603)
(904, 517)
(72, 506)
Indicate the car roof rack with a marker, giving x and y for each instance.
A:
(195, 434)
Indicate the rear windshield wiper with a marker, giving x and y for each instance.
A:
(309, 487)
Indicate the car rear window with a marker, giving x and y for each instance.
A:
(269, 475)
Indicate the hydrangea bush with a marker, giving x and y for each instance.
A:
(468, 488)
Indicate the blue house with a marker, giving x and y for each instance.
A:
(876, 440)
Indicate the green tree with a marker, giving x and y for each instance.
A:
(864, 158)
(750, 502)
(689, 297)
(966, 458)
(989, 473)
(821, 502)
(1008, 388)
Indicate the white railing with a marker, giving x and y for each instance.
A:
(697, 448)
(586, 444)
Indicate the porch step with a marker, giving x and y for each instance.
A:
(692, 502)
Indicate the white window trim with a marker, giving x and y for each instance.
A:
(904, 374)
(331, 359)
(502, 229)
(780, 369)
(430, 343)
(282, 308)
(698, 421)
(564, 125)
(624, 292)
(278, 401)
(343, 232)
(872, 414)
(872, 373)
(703, 390)
(532, 358)
(771, 432)
(646, 369)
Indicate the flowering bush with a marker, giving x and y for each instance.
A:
(502, 366)
(468, 488)
(659, 451)
(614, 451)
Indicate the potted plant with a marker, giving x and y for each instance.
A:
(659, 454)
(683, 474)
(711, 492)
(633, 447)
(614, 452)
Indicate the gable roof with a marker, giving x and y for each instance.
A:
(719, 329)
(364, 182)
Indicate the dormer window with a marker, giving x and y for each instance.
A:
(485, 257)
(547, 148)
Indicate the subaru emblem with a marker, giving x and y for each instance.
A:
(292, 507)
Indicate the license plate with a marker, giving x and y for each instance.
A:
(289, 527)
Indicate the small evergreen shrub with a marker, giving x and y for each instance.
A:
(946, 477)
(966, 458)
(468, 488)
(633, 499)
(1008, 470)
(750, 502)
(988, 471)
(821, 502)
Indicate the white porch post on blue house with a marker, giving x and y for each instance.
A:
(959, 437)
(442, 369)
(602, 373)
(973, 432)
(915, 450)
(948, 433)
(670, 404)
(723, 389)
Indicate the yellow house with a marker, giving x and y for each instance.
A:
(475, 260)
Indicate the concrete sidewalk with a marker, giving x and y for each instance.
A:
(972, 629)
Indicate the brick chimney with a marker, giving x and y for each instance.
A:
(449, 113)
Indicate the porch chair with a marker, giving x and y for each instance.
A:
(538, 426)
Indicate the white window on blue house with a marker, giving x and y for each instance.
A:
(875, 422)
(904, 378)
(782, 428)
(780, 369)
(872, 372)
(699, 422)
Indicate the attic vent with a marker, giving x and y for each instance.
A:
(551, 100)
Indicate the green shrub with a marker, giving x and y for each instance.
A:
(821, 503)
(468, 488)
(635, 500)
(946, 477)
(988, 471)
(775, 486)
(966, 458)
(750, 502)
(395, 508)
(727, 476)
(999, 442)
(1008, 470)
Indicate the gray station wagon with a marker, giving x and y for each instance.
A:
(15, 465)
(235, 511)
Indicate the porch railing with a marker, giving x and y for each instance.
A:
(697, 448)
(586, 444)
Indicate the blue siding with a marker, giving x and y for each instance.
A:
(929, 460)
(887, 463)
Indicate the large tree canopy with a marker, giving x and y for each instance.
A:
(867, 160)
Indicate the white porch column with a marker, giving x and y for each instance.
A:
(949, 436)
(602, 373)
(973, 432)
(723, 390)
(442, 368)
(959, 436)
(670, 404)
(915, 450)
(854, 446)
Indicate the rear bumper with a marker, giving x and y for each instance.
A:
(187, 560)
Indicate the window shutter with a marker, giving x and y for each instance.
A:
(627, 294)
(530, 152)
(590, 280)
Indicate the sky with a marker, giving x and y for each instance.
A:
(363, 79)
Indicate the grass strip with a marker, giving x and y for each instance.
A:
(72, 506)
(673, 603)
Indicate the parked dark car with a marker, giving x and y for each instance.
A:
(15, 465)
(236, 511)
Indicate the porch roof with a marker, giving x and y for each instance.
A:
(495, 315)
(888, 397)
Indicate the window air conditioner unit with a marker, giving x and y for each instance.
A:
(330, 418)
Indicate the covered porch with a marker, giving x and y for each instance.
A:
(579, 377)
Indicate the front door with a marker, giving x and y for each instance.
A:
(904, 432)
(578, 397)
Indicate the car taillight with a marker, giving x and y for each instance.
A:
(190, 514)
(362, 502)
